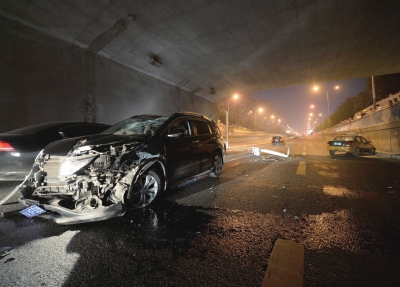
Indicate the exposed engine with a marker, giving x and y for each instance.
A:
(88, 178)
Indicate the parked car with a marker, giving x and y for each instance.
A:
(98, 177)
(350, 144)
(277, 140)
(19, 148)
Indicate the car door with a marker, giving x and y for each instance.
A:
(180, 150)
(367, 145)
(206, 143)
(361, 144)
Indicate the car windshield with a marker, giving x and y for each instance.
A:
(136, 125)
(344, 138)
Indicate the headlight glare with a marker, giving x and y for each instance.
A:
(70, 166)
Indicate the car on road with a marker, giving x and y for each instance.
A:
(98, 177)
(351, 144)
(278, 140)
(19, 147)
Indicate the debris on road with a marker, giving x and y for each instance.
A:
(391, 190)
(5, 251)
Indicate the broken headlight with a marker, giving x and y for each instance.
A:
(74, 164)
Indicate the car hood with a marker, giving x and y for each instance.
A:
(63, 147)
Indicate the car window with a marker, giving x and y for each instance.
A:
(202, 128)
(181, 127)
(81, 130)
(364, 140)
(35, 128)
(214, 128)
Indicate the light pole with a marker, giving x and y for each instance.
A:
(327, 99)
(227, 122)
(255, 117)
(278, 124)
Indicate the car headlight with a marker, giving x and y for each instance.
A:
(72, 165)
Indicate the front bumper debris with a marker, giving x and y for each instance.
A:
(65, 216)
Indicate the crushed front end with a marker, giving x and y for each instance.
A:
(89, 183)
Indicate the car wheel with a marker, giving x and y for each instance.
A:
(332, 152)
(145, 189)
(372, 151)
(216, 165)
(356, 152)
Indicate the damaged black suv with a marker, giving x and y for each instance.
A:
(98, 177)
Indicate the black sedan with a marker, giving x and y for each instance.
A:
(97, 177)
(278, 140)
(19, 148)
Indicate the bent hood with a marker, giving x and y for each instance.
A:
(63, 147)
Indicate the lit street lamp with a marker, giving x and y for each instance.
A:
(227, 122)
(327, 99)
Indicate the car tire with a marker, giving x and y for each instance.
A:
(356, 152)
(216, 165)
(372, 151)
(332, 152)
(144, 190)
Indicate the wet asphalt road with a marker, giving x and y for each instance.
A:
(221, 231)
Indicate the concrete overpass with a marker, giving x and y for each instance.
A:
(107, 60)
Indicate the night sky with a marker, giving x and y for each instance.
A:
(292, 104)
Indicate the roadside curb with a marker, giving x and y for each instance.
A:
(388, 155)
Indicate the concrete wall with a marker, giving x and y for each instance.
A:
(43, 79)
(385, 136)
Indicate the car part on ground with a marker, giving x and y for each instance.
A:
(97, 177)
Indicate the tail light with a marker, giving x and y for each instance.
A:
(349, 143)
(5, 146)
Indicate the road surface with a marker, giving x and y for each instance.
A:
(221, 231)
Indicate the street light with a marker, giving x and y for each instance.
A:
(255, 117)
(227, 122)
(327, 99)
(272, 117)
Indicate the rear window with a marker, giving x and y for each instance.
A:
(343, 138)
(34, 128)
(82, 130)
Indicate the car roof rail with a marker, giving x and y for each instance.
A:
(147, 115)
(193, 114)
